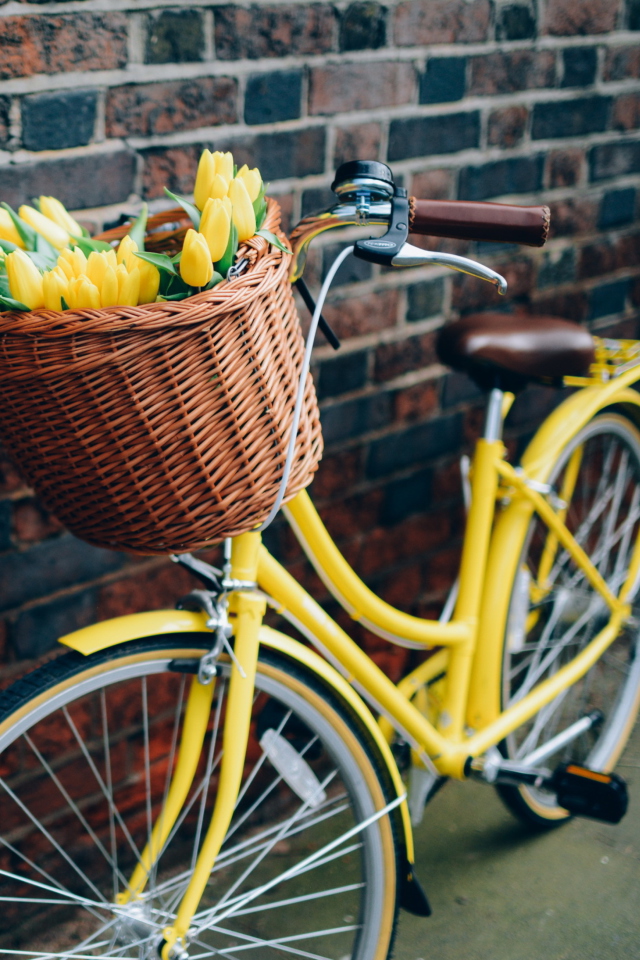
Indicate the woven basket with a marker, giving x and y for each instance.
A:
(162, 428)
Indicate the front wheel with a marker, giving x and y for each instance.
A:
(554, 612)
(88, 747)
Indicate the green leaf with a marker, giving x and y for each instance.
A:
(215, 280)
(271, 237)
(64, 304)
(222, 266)
(177, 258)
(189, 208)
(177, 296)
(139, 228)
(7, 246)
(35, 202)
(26, 233)
(87, 245)
(41, 260)
(10, 304)
(159, 260)
(46, 250)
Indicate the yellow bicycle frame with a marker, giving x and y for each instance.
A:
(471, 718)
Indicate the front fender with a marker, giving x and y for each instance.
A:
(136, 626)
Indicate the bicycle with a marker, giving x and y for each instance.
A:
(168, 792)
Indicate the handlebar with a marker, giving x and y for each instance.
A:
(468, 220)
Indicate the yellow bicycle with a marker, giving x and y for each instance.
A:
(193, 783)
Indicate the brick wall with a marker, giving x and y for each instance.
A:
(104, 101)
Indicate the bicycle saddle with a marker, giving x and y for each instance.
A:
(515, 349)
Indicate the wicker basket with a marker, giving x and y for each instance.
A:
(162, 428)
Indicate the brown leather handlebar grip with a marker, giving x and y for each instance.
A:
(469, 220)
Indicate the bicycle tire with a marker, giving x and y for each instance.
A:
(547, 626)
(77, 827)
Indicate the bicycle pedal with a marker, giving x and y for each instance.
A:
(588, 793)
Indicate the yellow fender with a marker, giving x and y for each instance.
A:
(485, 695)
(111, 633)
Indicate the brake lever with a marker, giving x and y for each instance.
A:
(410, 256)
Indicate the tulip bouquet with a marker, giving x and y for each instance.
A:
(48, 260)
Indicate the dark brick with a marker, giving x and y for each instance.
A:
(425, 136)
(402, 356)
(416, 445)
(618, 208)
(424, 299)
(52, 565)
(85, 181)
(556, 270)
(571, 306)
(53, 121)
(358, 142)
(273, 96)
(579, 66)
(5, 107)
(407, 496)
(274, 31)
(608, 299)
(596, 259)
(155, 108)
(516, 175)
(419, 23)
(343, 421)
(508, 72)
(570, 118)
(174, 36)
(516, 22)
(507, 126)
(79, 41)
(580, 17)
(444, 80)
(355, 316)
(351, 270)
(633, 14)
(342, 374)
(36, 631)
(458, 388)
(5, 524)
(316, 199)
(339, 87)
(573, 215)
(614, 159)
(363, 27)
(416, 402)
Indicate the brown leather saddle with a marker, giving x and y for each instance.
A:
(509, 351)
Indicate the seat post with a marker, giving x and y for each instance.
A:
(493, 418)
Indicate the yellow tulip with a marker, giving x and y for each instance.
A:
(97, 265)
(219, 187)
(8, 230)
(243, 213)
(196, 268)
(76, 261)
(127, 249)
(204, 179)
(57, 212)
(55, 285)
(25, 280)
(109, 288)
(128, 286)
(215, 225)
(149, 282)
(56, 236)
(224, 165)
(252, 181)
(84, 294)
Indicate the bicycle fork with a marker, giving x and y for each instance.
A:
(248, 610)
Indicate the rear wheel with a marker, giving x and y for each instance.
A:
(87, 748)
(554, 612)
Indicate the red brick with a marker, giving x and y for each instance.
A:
(32, 522)
(285, 202)
(337, 473)
(274, 31)
(571, 306)
(622, 63)
(507, 126)
(566, 167)
(447, 483)
(469, 293)
(174, 168)
(155, 589)
(415, 403)
(626, 112)
(394, 359)
(628, 251)
(155, 108)
(365, 314)
(508, 72)
(570, 17)
(10, 479)
(349, 517)
(433, 185)
(358, 142)
(572, 216)
(382, 548)
(419, 22)
(442, 570)
(83, 41)
(403, 588)
(360, 86)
